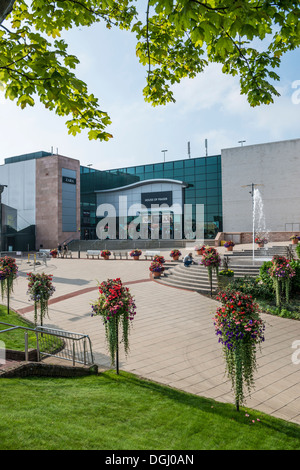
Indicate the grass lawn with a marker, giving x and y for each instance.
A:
(111, 412)
(15, 339)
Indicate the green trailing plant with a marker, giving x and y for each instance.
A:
(239, 329)
(117, 308)
(281, 272)
(8, 273)
(295, 281)
(40, 289)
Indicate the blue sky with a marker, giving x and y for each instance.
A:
(207, 107)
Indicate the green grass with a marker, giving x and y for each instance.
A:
(15, 339)
(111, 412)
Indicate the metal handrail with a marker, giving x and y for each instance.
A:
(71, 352)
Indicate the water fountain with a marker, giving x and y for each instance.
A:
(259, 228)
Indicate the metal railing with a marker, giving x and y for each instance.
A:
(51, 342)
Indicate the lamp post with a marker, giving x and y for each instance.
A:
(164, 151)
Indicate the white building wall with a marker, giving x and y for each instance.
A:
(274, 166)
(21, 188)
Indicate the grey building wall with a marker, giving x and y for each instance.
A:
(276, 168)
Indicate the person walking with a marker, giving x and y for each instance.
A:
(65, 250)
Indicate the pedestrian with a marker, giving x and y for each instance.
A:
(188, 260)
(65, 249)
(59, 250)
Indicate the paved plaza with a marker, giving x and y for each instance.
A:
(172, 339)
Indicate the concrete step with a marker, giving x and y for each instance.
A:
(195, 277)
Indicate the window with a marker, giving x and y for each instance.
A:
(178, 164)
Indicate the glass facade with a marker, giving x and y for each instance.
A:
(203, 176)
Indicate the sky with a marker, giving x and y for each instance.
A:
(208, 107)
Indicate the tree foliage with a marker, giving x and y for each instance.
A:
(175, 39)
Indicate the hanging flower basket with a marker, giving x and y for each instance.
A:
(281, 271)
(239, 329)
(117, 308)
(8, 273)
(211, 260)
(40, 289)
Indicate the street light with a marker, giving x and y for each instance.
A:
(164, 151)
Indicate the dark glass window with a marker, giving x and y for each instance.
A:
(212, 160)
(212, 184)
(140, 169)
(212, 169)
(178, 164)
(148, 168)
(189, 163)
(189, 171)
(200, 162)
(168, 166)
(158, 167)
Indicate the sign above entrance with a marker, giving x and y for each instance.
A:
(162, 197)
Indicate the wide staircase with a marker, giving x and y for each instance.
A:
(281, 250)
(195, 277)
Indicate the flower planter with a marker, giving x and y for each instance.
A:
(175, 258)
(261, 245)
(54, 255)
(106, 256)
(223, 281)
(199, 252)
(229, 248)
(156, 274)
(295, 241)
(136, 257)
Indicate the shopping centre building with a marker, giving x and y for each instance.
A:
(47, 199)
